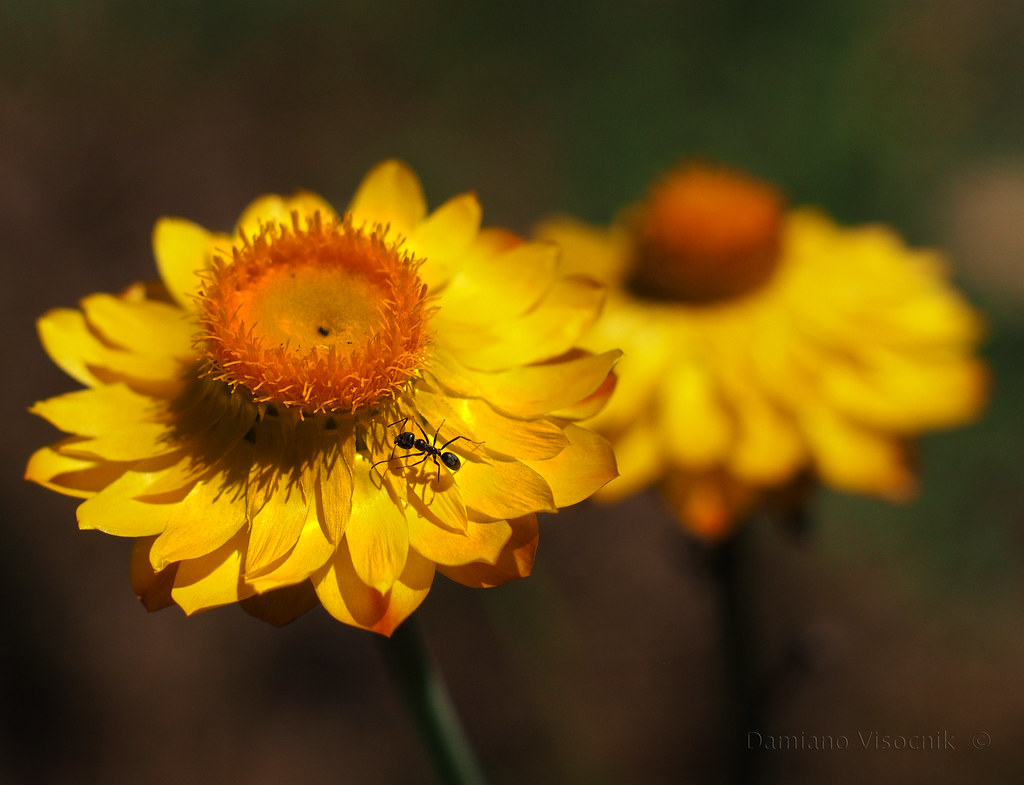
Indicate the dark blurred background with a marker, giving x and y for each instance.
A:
(604, 667)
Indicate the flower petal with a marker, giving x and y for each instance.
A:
(143, 327)
(351, 601)
(377, 532)
(444, 237)
(854, 458)
(588, 250)
(438, 501)
(69, 475)
(118, 421)
(182, 249)
(67, 340)
(151, 587)
(215, 500)
(476, 542)
(550, 329)
(579, 470)
(769, 448)
(211, 580)
(116, 510)
(593, 404)
(532, 390)
(72, 346)
(535, 439)
(504, 489)
(897, 392)
(278, 209)
(173, 478)
(92, 412)
(492, 288)
(390, 194)
(649, 346)
(334, 487)
(708, 505)
(639, 461)
(276, 526)
(281, 606)
(697, 430)
(311, 552)
(515, 560)
(276, 502)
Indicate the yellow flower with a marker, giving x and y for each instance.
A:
(763, 343)
(330, 407)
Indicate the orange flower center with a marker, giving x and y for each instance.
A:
(706, 234)
(320, 316)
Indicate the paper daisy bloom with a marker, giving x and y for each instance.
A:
(764, 345)
(332, 408)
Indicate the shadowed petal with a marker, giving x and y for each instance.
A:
(377, 533)
(350, 600)
(515, 560)
(213, 579)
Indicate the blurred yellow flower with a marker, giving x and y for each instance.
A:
(330, 407)
(762, 344)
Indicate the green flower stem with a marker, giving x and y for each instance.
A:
(422, 687)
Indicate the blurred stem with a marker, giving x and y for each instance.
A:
(423, 690)
(730, 573)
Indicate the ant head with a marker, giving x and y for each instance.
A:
(405, 440)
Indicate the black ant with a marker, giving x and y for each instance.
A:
(407, 441)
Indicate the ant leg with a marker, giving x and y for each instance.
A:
(389, 459)
(415, 455)
(438, 433)
(425, 437)
(441, 448)
(431, 440)
(385, 460)
(425, 455)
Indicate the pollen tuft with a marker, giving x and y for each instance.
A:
(706, 234)
(320, 315)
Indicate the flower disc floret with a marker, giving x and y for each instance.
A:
(319, 315)
(706, 234)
